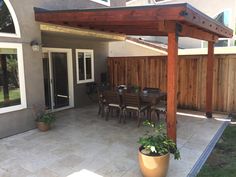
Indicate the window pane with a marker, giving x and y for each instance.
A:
(6, 22)
(88, 66)
(9, 80)
(222, 43)
(81, 66)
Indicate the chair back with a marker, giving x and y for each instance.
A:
(112, 97)
(132, 99)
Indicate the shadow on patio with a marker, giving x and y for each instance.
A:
(83, 144)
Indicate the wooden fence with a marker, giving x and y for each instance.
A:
(152, 72)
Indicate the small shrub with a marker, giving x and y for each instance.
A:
(156, 143)
(47, 118)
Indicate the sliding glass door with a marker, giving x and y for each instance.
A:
(56, 80)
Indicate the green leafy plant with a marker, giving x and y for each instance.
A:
(156, 143)
(135, 88)
(47, 118)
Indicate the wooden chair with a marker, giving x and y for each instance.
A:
(113, 101)
(132, 103)
(159, 108)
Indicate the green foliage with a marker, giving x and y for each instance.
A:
(156, 143)
(47, 118)
(135, 88)
(222, 161)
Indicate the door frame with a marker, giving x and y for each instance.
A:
(70, 75)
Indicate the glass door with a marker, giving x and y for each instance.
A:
(56, 80)
(60, 80)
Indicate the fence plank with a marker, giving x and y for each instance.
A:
(191, 80)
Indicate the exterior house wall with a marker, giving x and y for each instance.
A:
(128, 49)
(100, 55)
(23, 120)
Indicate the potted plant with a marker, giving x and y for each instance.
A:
(44, 121)
(154, 152)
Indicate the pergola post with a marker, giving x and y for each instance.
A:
(172, 84)
(209, 79)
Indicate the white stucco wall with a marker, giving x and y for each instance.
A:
(125, 48)
(23, 120)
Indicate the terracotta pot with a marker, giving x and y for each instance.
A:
(153, 166)
(43, 127)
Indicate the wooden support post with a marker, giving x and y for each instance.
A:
(172, 85)
(209, 79)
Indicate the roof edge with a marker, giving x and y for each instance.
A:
(41, 10)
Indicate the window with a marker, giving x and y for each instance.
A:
(224, 18)
(12, 87)
(104, 2)
(84, 66)
(9, 26)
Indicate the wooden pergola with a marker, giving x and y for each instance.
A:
(173, 20)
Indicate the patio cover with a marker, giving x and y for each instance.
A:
(172, 20)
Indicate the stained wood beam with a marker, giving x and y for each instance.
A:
(172, 85)
(146, 17)
(209, 79)
(187, 31)
(195, 17)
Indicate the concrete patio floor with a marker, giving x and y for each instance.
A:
(82, 144)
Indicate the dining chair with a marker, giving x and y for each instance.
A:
(113, 101)
(159, 108)
(132, 103)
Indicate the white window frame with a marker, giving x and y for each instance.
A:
(77, 65)
(15, 21)
(21, 74)
(102, 2)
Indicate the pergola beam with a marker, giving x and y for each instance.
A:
(156, 29)
(187, 31)
(139, 20)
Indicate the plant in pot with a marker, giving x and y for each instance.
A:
(44, 121)
(154, 152)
